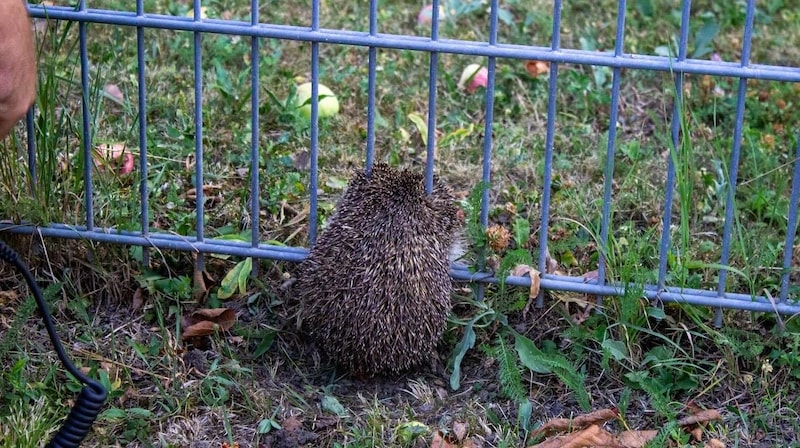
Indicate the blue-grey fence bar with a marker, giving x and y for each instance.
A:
(375, 41)
(549, 142)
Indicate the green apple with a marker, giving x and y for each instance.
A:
(328, 104)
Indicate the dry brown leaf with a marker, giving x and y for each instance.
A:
(206, 321)
(714, 443)
(138, 299)
(471, 443)
(636, 439)
(211, 193)
(697, 433)
(701, 417)
(535, 275)
(440, 442)
(291, 424)
(459, 430)
(582, 421)
(550, 263)
(536, 68)
(9, 297)
(693, 408)
(199, 289)
(592, 436)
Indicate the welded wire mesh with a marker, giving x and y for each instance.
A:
(618, 60)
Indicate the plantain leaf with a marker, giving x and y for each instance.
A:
(236, 279)
(467, 342)
(530, 356)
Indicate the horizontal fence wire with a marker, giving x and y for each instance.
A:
(618, 60)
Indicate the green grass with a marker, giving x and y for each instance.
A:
(246, 386)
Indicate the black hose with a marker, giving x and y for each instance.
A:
(93, 395)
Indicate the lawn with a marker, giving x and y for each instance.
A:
(504, 368)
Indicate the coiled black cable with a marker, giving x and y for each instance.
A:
(93, 395)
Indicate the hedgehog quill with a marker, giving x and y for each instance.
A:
(375, 289)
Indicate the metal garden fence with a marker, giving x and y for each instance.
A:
(372, 39)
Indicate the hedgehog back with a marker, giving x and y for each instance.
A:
(375, 289)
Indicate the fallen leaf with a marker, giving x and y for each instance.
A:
(536, 68)
(589, 437)
(199, 288)
(211, 193)
(714, 443)
(291, 424)
(138, 299)
(459, 430)
(536, 281)
(206, 321)
(701, 417)
(550, 263)
(470, 443)
(582, 421)
(636, 439)
(697, 433)
(535, 275)
(440, 442)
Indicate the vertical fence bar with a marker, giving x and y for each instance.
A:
(486, 175)
(314, 181)
(255, 192)
(88, 160)
(676, 136)
(610, 150)
(198, 134)
(373, 69)
(143, 191)
(733, 169)
(548, 151)
(30, 128)
(791, 226)
(434, 66)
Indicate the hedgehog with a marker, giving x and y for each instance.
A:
(375, 289)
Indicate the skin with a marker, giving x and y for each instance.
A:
(17, 64)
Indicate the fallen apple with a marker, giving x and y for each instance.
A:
(425, 16)
(328, 104)
(473, 76)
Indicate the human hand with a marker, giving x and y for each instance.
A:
(17, 64)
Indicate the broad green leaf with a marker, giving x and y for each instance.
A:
(266, 425)
(407, 432)
(530, 356)
(113, 414)
(505, 16)
(235, 279)
(467, 342)
(522, 231)
(264, 345)
(656, 312)
(616, 349)
(332, 405)
(524, 414)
